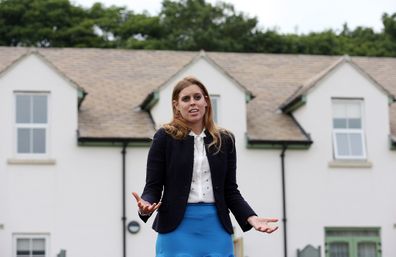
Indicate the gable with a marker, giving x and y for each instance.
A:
(347, 81)
(33, 69)
(343, 72)
(232, 97)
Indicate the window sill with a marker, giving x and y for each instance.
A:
(350, 164)
(31, 161)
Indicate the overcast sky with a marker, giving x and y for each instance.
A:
(289, 16)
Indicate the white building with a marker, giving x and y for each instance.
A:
(316, 140)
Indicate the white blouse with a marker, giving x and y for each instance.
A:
(201, 185)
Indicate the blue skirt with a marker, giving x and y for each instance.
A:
(200, 234)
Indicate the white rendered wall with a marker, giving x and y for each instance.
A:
(320, 196)
(142, 243)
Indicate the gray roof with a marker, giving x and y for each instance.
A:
(117, 82)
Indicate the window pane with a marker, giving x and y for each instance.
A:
(353, 110)
(356, 144)
(339, 110)
(367, 249)
(38, 247)
(23, 109)
(339, 250)
(40, 109)
(38, 244)
(23, 248)
(23, 140)
(23, 253)
(342, 144)
(339, 123)
(355, 123)
(39, 140)
(23, 244)
(38, 253)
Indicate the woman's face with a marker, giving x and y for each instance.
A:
(191, 104)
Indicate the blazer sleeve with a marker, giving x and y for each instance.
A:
(155, 170)
(235, 202)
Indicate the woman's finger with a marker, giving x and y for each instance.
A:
(154, 206)
(150, 207)
(270, 230)
(157, 206)
(137, 197)
(140, 205)
(144, 206)
(270, 220)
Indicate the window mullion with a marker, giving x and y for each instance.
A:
(353, 247)
(31, 247)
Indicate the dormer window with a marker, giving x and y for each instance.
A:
(348, 129)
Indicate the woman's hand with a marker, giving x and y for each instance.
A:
(145, 208)
(262, 224)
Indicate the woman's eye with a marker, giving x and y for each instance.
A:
(197, 97)
(185, 99)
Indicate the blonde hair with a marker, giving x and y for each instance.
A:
(178, 127)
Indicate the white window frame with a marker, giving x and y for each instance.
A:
(31, 126)
(216, 115)
(30, 236)
(349, 131)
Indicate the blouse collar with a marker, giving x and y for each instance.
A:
(202, 135)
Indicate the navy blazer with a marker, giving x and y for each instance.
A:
(169, 174)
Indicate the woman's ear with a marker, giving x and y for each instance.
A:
(175, 104)
(206, 100)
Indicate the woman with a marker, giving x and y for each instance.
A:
(191, 181)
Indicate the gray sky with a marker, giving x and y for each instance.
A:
(289, 16)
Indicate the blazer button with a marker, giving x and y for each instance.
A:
(216, 188)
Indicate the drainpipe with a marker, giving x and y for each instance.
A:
(123, 152)
(284, 218)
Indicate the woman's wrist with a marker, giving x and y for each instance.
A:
(251, 218)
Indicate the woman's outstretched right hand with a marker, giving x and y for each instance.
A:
(145, 208)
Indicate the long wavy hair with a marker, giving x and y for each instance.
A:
(178, 127)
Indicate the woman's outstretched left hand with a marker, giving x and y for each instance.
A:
(145, 208)
(262, 224)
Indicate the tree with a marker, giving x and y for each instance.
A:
(140, 31)
(181, 25)
(195, 24)
(45, 23)
(389, 22)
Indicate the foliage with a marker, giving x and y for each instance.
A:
(180, 25)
